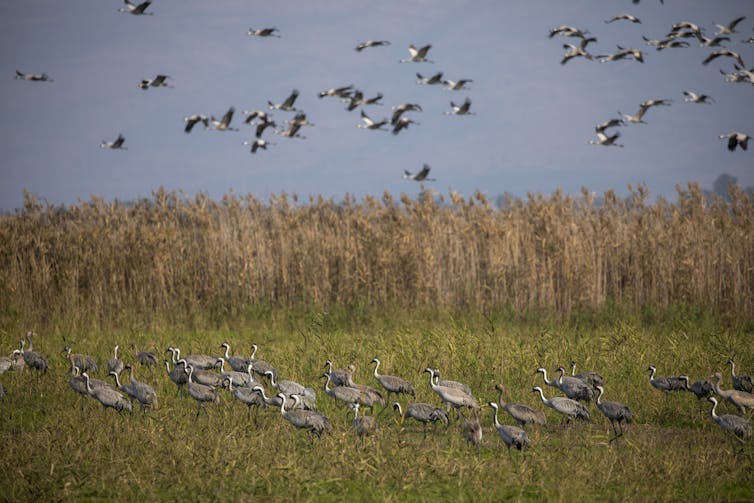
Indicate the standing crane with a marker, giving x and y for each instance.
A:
(472, 431)
(666, 384)
(313, 422)
(739, 426)
(177, 375)
(740, 382)
(200, 392)
(451, 396)
(85, 362)
(107, 396)
(522, 413)
(365, 425)
(740, 399)
(33, 359)
(614, 411)
(115, 364)
(338, 377)
(142, 391)
(512, 436)
(349, 396)
(451, 384)
(422, 412)
(245, 395)
(574, 388)
(393, 384)
(591, 378)
(569, 408)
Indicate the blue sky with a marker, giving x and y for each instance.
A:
(534, 116)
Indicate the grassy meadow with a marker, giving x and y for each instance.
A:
(486, 295)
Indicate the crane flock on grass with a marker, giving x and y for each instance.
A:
(255, 384)
(675, 38)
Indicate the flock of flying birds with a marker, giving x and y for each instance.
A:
(263, 120)
(677, 37)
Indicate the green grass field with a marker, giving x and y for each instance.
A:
(52, 451)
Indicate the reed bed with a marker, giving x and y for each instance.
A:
(172, 257)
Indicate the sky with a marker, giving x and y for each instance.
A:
(533, 119)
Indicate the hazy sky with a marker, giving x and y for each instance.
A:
(534, 116)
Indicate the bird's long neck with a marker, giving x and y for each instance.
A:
(544, 376)
(497, 423)
(500, 399)
(652, 374)
(599, 396)
(190, 374)
(733, 369)
(116, 352)
(222, 363)
(714, 406)
(167, 366)
(573, 368)
(227, 349)
(327, 383)
(400, 410)
(376, 365)
(89, 386)
(131, 372)
(253, 351)
(541, 395)
(117, 379)
(432, 379)
(282, 404)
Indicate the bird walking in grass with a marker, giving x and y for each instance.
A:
(740, 399)
(614, 411)
(666, 384)
(565, 406)
(740, 382)
(107, 396)
(200, 392)
(522, 413)
(313, 422)
(512, 436)
(739, 426)
(364, 426)
(422, 412)
(391, 383)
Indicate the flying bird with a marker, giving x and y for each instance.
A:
(370, 123)
(624, 17)
(263, 32)
(192, 120)
(371, 43)
(420, 176)
(576, 51)
(462, 109)
(115, 145)
(623, 53)
(399, 110)
(724, 52)
(287, 105)
(158, 81)
(692, 97)
(136, 10)
(257, 144)
(456, 85)
(605, 140)
(730, 28)
(224, 123)
(433, 80)
(401, 124)
(340, 92)
(568, 31)
(736, 139)
(417, 55)
(32, 77)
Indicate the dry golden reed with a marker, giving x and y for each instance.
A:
(170, 255)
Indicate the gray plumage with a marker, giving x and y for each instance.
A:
(85, 362)
(739, 426)
(243, 378)
(33, 359)
(115, 364)
(422, 412)
(339, 377)
(472, 431)
(740, 399)
(201, 376)
(522, 413)
(273, 401)
(512, 436)
(392, 384)
(591, 378)
(614, 411)
(371, 396)
(575, 388)
(141, 391)
(146, 358)
(78, 383)
(261, 367)
(11, 362)
(666, 384)
(237, 363)
(451, 396)
(177, 375)
(200, 392)
(247, 396)
(108, 396)
(701, 388)
(566, 406)
(451, 384)
(364, 426)
(313, 422)
(345, 394)
(740, 382)
(198, 362)
(290, 387)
